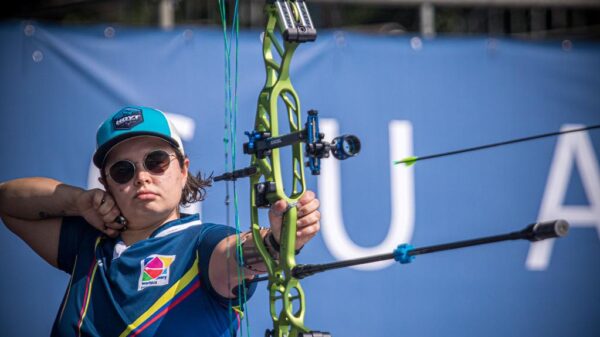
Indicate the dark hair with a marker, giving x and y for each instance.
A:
(195, 186)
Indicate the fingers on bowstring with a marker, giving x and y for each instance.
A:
(98, 198)
(114, 224)
(107, 206)
(110, 212)
(114, 227)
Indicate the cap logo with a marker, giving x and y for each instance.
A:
(127, 118)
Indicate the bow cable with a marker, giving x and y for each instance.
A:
(231, 44)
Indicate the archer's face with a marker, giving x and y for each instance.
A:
(147, 198)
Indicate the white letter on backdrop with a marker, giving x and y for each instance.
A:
(571, 149)
(402, 200)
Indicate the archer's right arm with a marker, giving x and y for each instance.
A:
(33, 209)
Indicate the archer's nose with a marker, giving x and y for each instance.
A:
(142, 176)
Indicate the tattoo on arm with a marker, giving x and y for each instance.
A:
(253, 261)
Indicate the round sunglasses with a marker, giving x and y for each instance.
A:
(155, 162)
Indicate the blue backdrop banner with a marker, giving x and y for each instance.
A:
(402, 96)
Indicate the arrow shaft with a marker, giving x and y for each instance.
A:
(503, 143)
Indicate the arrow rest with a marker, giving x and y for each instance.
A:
(262, 190)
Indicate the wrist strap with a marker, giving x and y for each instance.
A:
(276, 246)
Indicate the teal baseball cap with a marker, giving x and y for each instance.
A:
(134, 121)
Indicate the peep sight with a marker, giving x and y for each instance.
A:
(345, 146)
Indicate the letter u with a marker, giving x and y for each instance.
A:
(401, 227)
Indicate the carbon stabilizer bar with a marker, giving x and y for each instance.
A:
(406, 253)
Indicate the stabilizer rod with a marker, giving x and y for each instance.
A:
(405, 253)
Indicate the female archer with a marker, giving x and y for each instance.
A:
(138, 266)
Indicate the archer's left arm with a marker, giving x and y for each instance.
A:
(223, 267)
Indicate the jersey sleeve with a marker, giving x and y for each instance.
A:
(212, 236)
(72, 233)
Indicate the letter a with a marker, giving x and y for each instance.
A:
(571, 149)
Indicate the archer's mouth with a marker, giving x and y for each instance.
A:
(146, 196)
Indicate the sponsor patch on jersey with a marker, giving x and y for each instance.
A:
(155, 271)
(127, 118)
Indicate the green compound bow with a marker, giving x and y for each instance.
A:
(288, 21)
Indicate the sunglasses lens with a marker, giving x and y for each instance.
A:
(157, 161)
(122, 171)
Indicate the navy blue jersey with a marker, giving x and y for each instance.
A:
(155, 287)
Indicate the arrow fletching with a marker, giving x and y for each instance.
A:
(408, 161)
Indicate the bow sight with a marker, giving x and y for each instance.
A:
(261, 144)
(342, 147)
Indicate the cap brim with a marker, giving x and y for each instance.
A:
(103, 150)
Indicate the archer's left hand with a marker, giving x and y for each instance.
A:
(308, 218)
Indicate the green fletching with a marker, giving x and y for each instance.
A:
(408, 161)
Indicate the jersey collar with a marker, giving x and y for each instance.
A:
(173, 226)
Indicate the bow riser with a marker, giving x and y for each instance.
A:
(286, 297)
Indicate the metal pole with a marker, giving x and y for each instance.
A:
(538, 22)
(427, 15)
(166, 14)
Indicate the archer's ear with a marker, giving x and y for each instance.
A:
(186, 165)
(185, 171)
(103, 182)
